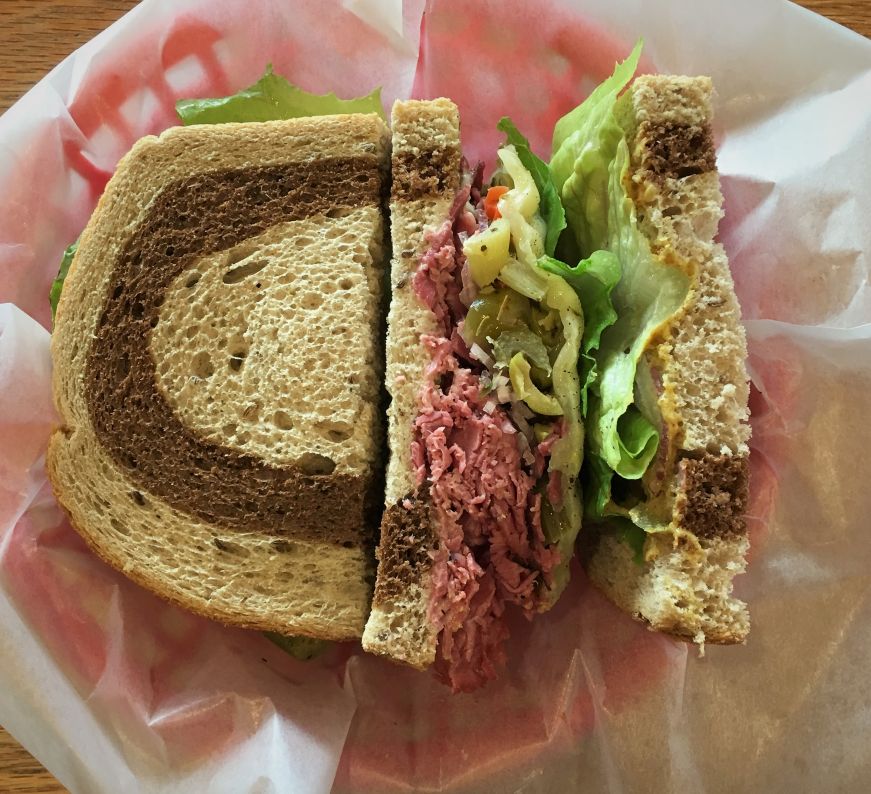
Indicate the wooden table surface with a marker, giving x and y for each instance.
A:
(37, 34)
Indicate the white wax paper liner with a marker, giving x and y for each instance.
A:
(115, 691)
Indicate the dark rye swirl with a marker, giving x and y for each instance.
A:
(217, 370)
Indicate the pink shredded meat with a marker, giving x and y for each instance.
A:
(493, 551)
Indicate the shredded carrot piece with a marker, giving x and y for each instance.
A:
(491, 201)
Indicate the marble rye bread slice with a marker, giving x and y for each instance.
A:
(426, 171)
(216, 371)
(685, 586)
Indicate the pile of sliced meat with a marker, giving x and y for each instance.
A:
(493, 551)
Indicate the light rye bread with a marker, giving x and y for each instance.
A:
(426, 177)
(685, 585)
(217, 371)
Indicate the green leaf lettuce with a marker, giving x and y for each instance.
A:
(302, 648)
(626, 302)
(648, 294)
(58, 284)
(584, 144)
(273, 97)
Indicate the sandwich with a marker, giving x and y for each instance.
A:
(216, 371)
(564, 347)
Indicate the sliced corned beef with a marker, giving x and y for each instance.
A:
(493, 550)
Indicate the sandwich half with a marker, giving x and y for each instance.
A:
(481, 330)
(216, 371)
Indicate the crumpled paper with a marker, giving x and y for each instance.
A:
(113, 690)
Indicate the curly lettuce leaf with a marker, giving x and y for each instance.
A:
(584, 144)
(550, 207)
(624, 306)
(58, 284)
(648, 294)
(589, 167)
(273, 97)
(637, 440)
